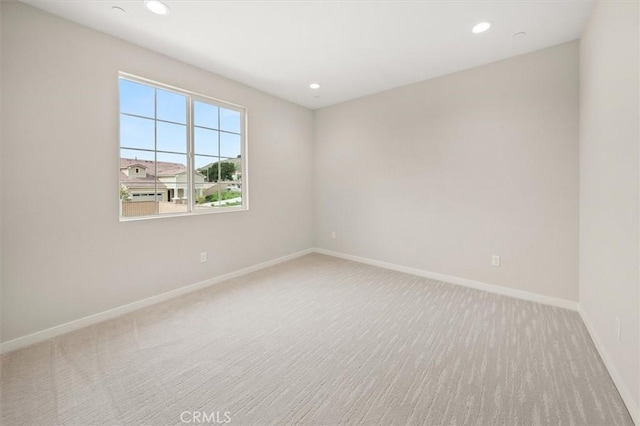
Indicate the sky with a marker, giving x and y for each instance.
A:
(147, 125)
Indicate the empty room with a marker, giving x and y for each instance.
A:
(320, 212)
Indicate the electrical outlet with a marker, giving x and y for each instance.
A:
(333, 235)
(203, 257)
(495, 260)
(618, 331)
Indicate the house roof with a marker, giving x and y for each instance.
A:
(134, 165)
(149, 181)
(155, 170)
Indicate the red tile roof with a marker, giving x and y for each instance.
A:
(163, 168)
(157, 168)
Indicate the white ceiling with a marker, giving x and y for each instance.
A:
(352, 48)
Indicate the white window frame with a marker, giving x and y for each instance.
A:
(191, 98)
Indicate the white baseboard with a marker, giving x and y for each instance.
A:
(58, 330)
(492, 288)
(625, 394)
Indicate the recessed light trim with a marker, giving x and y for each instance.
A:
(157, 7)
(481, 27)
(314, 86)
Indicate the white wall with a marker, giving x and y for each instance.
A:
(442, 174)
(63, 255)
(609, 185)
(1, 172)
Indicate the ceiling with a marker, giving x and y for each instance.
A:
(352, 48)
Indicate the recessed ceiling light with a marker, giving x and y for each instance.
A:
(481, 27)
(118, 9)
(157, 7)
(314, 86)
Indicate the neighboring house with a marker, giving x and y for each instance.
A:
(145, 180)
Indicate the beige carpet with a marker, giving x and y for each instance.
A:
(320, 341)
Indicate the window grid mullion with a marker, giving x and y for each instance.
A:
(219, 166)
(190, 156)
(155, 149)
(142, 117)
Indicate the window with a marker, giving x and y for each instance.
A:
(180, 152)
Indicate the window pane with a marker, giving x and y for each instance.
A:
(136, 132)
(136, 166)
(172, 183)
(230, 145)
(205, 141)
(134, 154)
(136, 98)
(201, 163)
(202, 185)
(215, 169)
(171, 164)
(205, 176)
(138, 186)
(172, 137)
(208, 167)
(229, 169)
(229, 120)
(229, 184)
(221, 184)
(219, 195)
(205, 115)
(171, 107)
(231, 197)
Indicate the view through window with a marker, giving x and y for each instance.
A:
(179, 152)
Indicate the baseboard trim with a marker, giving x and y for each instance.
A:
(625, 394)
(39, 336)
(492, 288)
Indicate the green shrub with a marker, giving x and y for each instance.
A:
(226, 195)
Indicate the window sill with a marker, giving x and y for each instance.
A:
(187, 214)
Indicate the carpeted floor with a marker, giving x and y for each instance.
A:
(319, 341)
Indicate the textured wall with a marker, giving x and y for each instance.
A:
(442, 174)
(60, 106)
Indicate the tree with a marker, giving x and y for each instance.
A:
(124, 192)
(227, 170)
